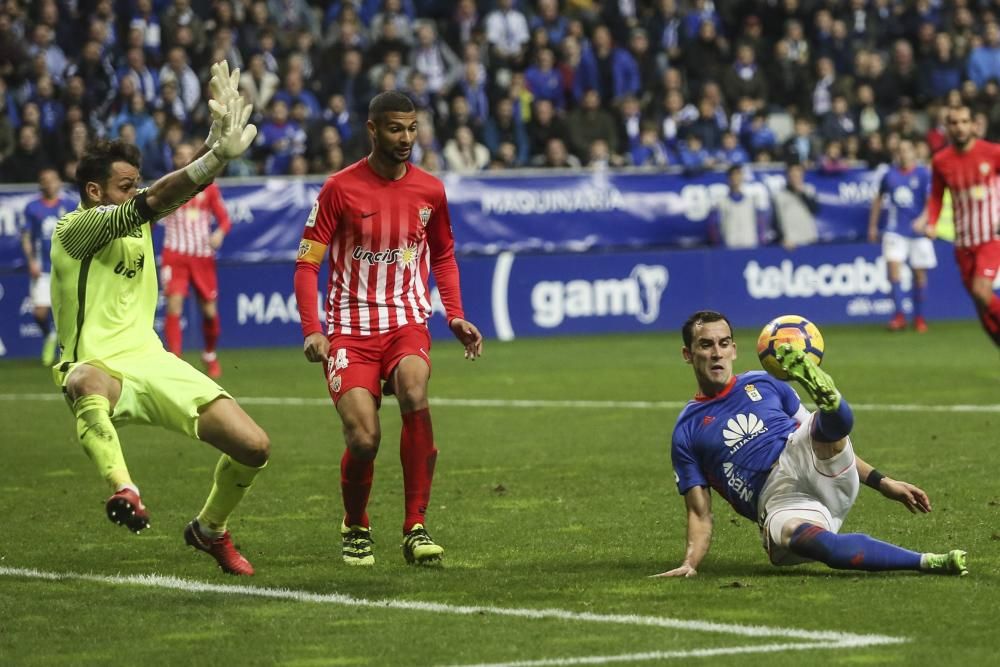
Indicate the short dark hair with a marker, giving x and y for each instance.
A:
(95, 165)
(701, 317)
(391, 101)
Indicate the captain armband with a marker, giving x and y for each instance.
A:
(311, 251)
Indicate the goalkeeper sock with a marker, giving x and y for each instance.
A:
(418, 455)
(232, 481)
(835, 425)
(356, 475)
(100, 439)
(172, 331)
(853, 551)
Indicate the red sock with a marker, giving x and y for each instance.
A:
(417, 452)
(210, 328)
(172, 330)
(355, 486)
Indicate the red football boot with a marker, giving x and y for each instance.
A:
(221, 549)
(126, 509)
(920, 325)
(897, 323)
(212, 367)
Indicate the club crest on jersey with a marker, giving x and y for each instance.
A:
(341, 360)
(984, 168)
(335, 383)
(424, 214)
(752, 393)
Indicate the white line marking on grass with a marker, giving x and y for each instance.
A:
(543, 403)
(816, 639)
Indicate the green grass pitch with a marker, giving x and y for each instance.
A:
(539, 506)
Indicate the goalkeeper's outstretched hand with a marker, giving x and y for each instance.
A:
(225, 88)
(237, 133)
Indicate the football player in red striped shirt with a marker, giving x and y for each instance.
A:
(189, 246)
(969, 169)
(381, 225)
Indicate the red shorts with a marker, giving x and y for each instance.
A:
(981, 261)
(178, 271)
(364, 361)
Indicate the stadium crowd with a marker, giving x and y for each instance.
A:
(500, 84)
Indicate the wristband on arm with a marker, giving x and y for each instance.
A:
(874, 479)
(205, 168)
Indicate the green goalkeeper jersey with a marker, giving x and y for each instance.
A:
(104, 287)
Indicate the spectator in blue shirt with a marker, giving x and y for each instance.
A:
(295, 91)
(693, 156)
(544, 80)
(556, 25)
(139, 118)
(731, 152)
(504, 127)
(649, 151)
(942, 70)
(984, 61)
(51, 109)
(280, 138)
(609, 69)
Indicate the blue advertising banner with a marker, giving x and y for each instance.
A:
(539, 212)
(511, 295)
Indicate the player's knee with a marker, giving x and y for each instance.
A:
(363, 441)
(982, 293)
(257, 448)
(412, 396)
(85, 382)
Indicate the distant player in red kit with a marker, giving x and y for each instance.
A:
(382, 224)
(189, 259)
(969, 168)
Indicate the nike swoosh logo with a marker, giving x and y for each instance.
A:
(368, 215)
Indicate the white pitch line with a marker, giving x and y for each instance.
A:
(820, 639)
(544, 403)
(665, 655)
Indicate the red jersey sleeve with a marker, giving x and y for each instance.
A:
(441, 243)
(319, 229)
(937, 195)
(218, 208)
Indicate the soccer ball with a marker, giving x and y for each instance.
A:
(793, 329)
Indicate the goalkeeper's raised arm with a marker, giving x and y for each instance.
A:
(112, 206)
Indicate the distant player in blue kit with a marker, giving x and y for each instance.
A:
(905, 188)
(38, 221)
(791, 471)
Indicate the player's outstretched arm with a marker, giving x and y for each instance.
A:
(175, 188)
(699, 532)
(467, 334)
(912, 497)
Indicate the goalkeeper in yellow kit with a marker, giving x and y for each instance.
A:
(114, 369)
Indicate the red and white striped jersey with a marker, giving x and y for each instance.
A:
(972, 178)
(381, 239)
(187, 230)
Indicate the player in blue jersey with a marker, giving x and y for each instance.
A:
(904, 188)
(38, 220)
(793, 472)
